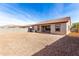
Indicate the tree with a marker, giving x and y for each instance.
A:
(76, 26)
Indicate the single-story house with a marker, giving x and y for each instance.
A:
(57, 26)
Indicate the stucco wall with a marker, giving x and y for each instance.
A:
(68, 26)
(62, 29)
(40, 28)
(35, 28)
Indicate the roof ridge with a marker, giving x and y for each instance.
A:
(55, 19)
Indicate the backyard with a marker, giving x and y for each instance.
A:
(26, 43)
(20, 42)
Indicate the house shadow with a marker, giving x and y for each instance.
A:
(66, 46)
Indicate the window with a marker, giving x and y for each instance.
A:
(57, 27)
(47, 28)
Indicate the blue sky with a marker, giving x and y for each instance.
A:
(30, 13)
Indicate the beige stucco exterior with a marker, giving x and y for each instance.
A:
(35, 28)
(64, 27)
(68, 26)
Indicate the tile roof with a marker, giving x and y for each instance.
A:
(53, 21)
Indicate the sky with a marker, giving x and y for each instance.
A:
(31, 13)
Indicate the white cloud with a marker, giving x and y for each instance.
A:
(7, 19)
(12, 15)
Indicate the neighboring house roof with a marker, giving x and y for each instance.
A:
(54, 21)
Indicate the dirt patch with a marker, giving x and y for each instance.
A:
(74, 34)
(23, 43)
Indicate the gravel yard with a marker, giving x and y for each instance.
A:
(24, 43)
(15, 42)
(65, 46)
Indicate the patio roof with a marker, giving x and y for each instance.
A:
(54, 21)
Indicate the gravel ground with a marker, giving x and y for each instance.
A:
(65, 46)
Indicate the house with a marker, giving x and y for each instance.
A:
(57, 26)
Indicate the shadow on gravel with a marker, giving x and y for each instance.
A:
(66, 46)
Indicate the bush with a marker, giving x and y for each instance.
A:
(75, 27)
